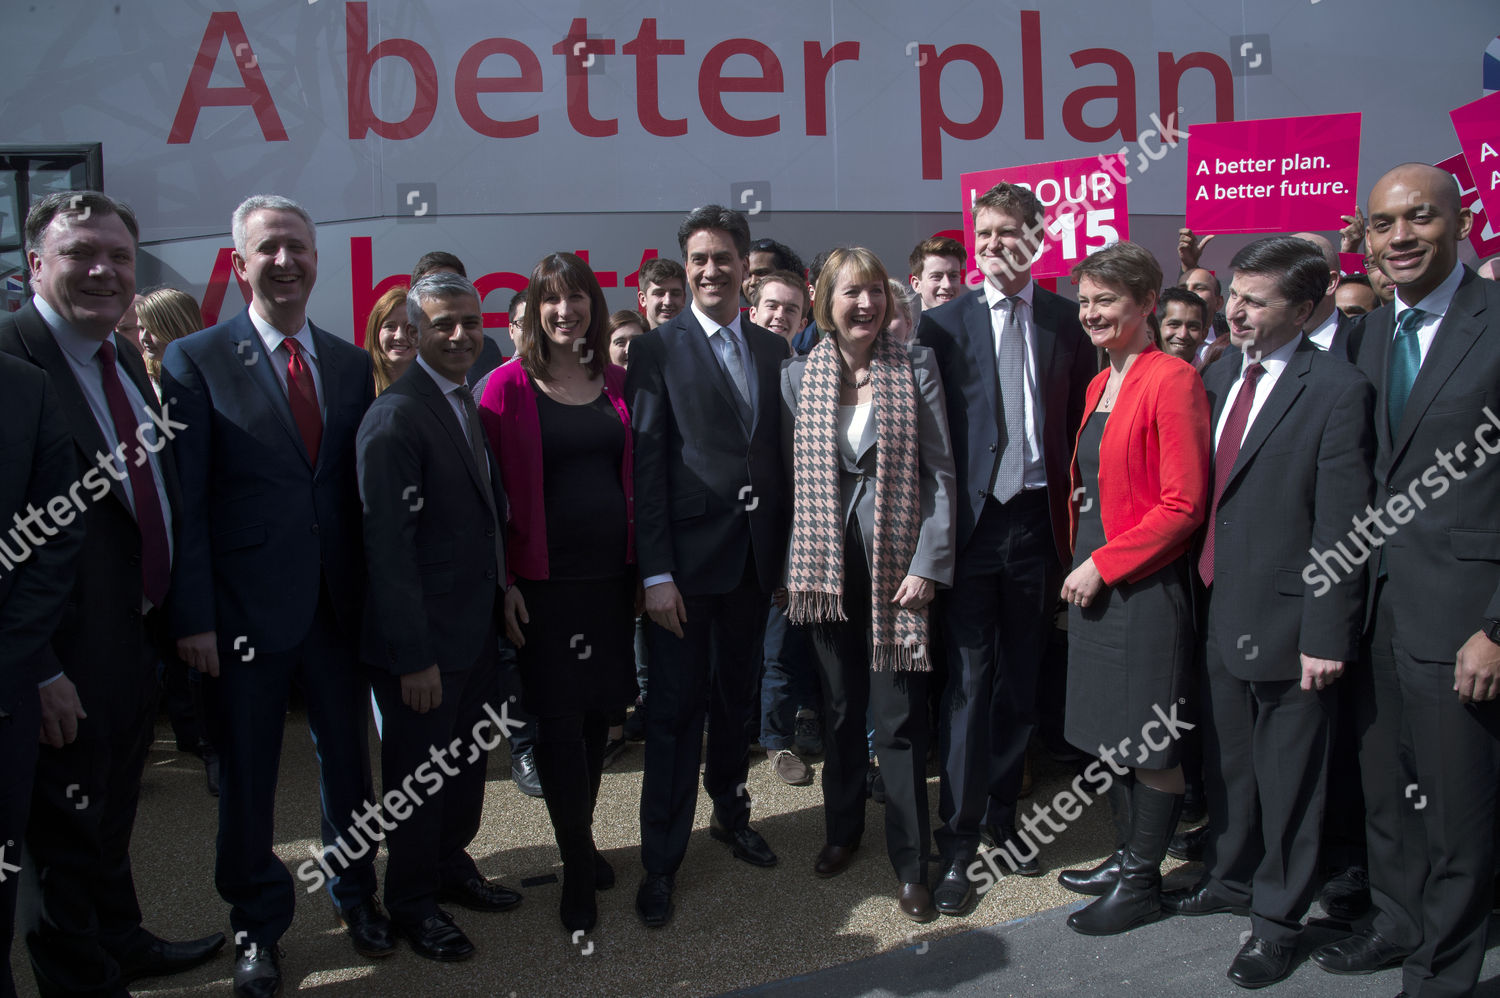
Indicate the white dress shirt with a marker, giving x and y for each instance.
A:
(1435, 305)
(271, 338)
(1322, 337)
(1274, 362)
(1035, 473)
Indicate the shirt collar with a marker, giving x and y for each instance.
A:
(1328, 326)
(444, 385)
(993, 295)
(1438, 299)
(711, 327)
(272, 337)
(76, 345)
(1277, 359)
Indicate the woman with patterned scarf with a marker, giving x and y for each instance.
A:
(872, 539)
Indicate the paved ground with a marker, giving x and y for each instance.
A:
(774, 932)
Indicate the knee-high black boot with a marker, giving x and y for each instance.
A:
(595, 737)
(564, 772)
(1101, 879)
(1135, 898)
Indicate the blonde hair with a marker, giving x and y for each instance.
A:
(169, 315)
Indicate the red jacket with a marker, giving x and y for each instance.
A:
(1155, 472)
(508, 411)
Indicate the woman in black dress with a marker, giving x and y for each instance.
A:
(1140, 490)
(557, 422)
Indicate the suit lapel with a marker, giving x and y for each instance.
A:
(250, 351)
(1218, 379)
(1380, 324)
(1283, 394)
(442, 410)
(979, 340)
(1456, 334)
(696, 342)
(332, 378)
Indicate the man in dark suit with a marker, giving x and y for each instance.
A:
(98, 676)
(34, 583)
(1015, 366)
(441, 261)
(1293, 446)
(1328, 328)
(433, 509)
(711, 524)
(1430, 754)
(270, 574)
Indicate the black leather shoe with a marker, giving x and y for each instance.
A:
(1201, 900)
(1359, 954)
(479, 894)
(523, 772)
(1261, 963)
(369, 928)
(257, 972)
(915, 902)
(955, 892)
(162, 957)
(1190, 845)
(834, 860)
(996, 838)
(211, 771)
(437, 938)
(1194, 807)
(745, 843)
(604, 874)
(653, 901)
(1347, 896)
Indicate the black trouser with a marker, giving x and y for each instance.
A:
(570, 763)
(78, 902)
(1266, 769)
(897, 707)
(1430, 766)
(715, 668)
(429, 848)
(18, 747)
(996, 621)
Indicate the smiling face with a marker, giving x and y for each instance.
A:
(779, 309)
(660, 302)
(1202, 283)
(398, 340)
(1416, 222)
(715, 271)
(565, 315)
(1003, 248)
(280, 263)
(1113, 320)
(1356, 299)
(762, 262)
(85, 270)
(858, 307)
(941, 279)
(619, 343)
(450, 335)
(1182, 330)
(1260, 318)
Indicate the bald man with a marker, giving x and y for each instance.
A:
(1202, 282)
(1427, 687)
(1490, 269)
(1327, 327)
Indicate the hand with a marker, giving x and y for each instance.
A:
(515, 616)
(779, 597)
(664, 604)
(915, 592)
(1352, 235)
(1320, 672)
(422, 691)
(1082, 584)
(1190, 249)
(201, 651)
(61, 712)
(1476, 674)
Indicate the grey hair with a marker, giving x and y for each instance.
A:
(267, 202)
(905, 298)
(439, 284)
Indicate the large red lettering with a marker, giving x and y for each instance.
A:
(491, 282)
(361, 64)
(1122, 92)
(1031, 73)
(935, 121)
(816, 65)
(218, 286)
(225, 26)
(578, 51)
(645, 46)
(713, 84)
(468, 85)
(1169, 80)
(361, 294)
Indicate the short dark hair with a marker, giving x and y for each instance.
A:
(816, 267)
(519, 298)
(786, 257)
(786, 277)
(1125, 265)
(81, 203)
(1015, 199)
(935, 246)
(659, 270)
(561, 273)
(1183, 297)
(437, 260)
(720, 219)
(1299, 268)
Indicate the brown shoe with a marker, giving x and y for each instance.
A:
(915, 902)
(792, 770)
(834, 860)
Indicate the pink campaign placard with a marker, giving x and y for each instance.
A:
(1352, 263)
(1084, 208)
(1484, 235)
(1273, 175)
(1478, 127)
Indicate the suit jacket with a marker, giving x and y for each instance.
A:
(1302, 475)
(934, 556)
(37, 462)
(432, 532)
(709, 490)
(267, 529)
(99, 639)
(1347, 336)
(960, 334)
(1443, 559)
(1155, 479)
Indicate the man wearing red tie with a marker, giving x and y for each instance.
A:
(271, 577)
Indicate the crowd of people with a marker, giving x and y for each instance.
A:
(841, 522)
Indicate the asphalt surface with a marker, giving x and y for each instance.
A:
(737, 929)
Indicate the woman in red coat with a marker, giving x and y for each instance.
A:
(1140, 491)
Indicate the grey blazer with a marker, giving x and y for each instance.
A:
(933, 558)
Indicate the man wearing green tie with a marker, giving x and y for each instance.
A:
(1425, 700)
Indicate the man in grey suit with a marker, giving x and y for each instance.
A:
(433, 508)
(1293, 445)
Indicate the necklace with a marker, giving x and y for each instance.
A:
(858, 383)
